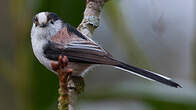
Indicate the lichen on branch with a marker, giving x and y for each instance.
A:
(91, 19)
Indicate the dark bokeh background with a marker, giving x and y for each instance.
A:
(155, 35)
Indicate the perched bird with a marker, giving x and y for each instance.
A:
(51, 37)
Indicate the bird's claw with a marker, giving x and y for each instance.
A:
(61, 65)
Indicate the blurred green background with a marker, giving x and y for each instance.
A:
(155, 35)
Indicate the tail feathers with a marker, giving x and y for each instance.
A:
(147, 74)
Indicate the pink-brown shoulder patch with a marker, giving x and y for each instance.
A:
(62, 36)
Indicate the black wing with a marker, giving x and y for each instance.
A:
(84, 52)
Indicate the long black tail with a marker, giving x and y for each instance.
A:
(147, 74)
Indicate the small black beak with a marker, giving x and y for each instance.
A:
(43, 25)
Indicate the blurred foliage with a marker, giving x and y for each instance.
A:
(69, 10)
(117, 22)
(159, 98)
(194, 58)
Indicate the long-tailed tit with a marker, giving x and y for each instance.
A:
(51, 37)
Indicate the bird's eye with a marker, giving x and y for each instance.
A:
(52, 22)
(52, 17)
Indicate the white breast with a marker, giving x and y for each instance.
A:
(38, 40)
(38, 52)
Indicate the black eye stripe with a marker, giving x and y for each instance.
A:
(52, 16)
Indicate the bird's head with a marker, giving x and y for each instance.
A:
(46, 24)
(45, 19)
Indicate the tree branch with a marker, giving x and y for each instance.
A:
(70, 86)
(64, 76)
(91, 19)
